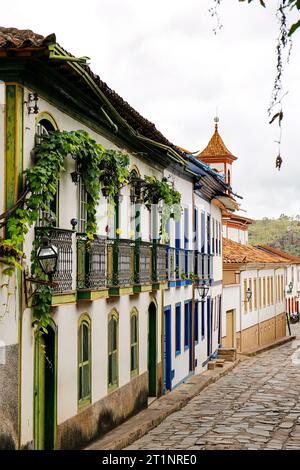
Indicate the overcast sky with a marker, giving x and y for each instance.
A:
(164, 59)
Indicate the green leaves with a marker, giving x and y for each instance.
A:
(294, 27)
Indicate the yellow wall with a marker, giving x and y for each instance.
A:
(255, 336)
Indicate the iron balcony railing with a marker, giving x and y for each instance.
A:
(120, 262)
(143, 262)
(62, 240)
(180, 263)
(203, 266)
(91, 262)
(159, 263)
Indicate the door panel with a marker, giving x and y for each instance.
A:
(45, 391)
(230, 329)
(152, 350)
(167, 350)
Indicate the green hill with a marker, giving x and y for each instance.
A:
(282, 233)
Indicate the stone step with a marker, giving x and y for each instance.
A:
(220, 362)
(211, 365)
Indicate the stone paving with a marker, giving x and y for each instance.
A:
(255, 406)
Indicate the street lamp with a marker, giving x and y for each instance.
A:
(202, 291)
(47, 255)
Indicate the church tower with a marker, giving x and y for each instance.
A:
(217, 155)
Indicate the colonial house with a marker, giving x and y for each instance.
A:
(292, 279)
(122, 279)
(254, 278)
(253, 296)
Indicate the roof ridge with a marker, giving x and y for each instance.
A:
(215, 148)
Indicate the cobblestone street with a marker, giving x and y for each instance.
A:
(256, 406)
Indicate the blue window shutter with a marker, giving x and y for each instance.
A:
(186, 228)
(196, 228)
(208, 231)
(202, 232)
(196, 323)
(178, 328)
(177, 234)
(186, 325)
(203, 320)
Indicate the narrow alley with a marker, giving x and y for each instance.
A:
(256, 406)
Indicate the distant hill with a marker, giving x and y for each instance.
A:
(282, 233)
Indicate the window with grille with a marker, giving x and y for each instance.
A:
(134, 343)
(84, 362)
(113, 324)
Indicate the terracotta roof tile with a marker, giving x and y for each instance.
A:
(234, 252)
(12, 38)
(276, 251)
(215, 148)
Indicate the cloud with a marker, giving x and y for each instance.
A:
(163, 58)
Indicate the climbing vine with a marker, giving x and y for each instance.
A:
(98, 167)
(156, 191)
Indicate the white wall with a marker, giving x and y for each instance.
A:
(2, 147)
(66, 316)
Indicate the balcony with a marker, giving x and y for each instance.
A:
(203, 267)
(180, 265)
(104, 266)
(63, 240)
(91, 262)
(159, 263)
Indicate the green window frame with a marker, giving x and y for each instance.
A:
(113, 350)
(134, 343)
(84, 361)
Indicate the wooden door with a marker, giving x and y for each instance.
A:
(152, 356)
(230, 329)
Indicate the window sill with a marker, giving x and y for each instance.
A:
(84, 403)
(112, 388)
(134, 373)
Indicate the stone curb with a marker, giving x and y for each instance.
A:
(267, 347)
(139, 425)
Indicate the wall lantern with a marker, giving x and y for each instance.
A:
(202, 291)
(290, 287)
(47, 255)
(75, 177)
(248, 294)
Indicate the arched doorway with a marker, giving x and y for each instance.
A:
(45, 390)
(152, 350)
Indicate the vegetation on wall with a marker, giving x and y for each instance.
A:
(97, 167)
